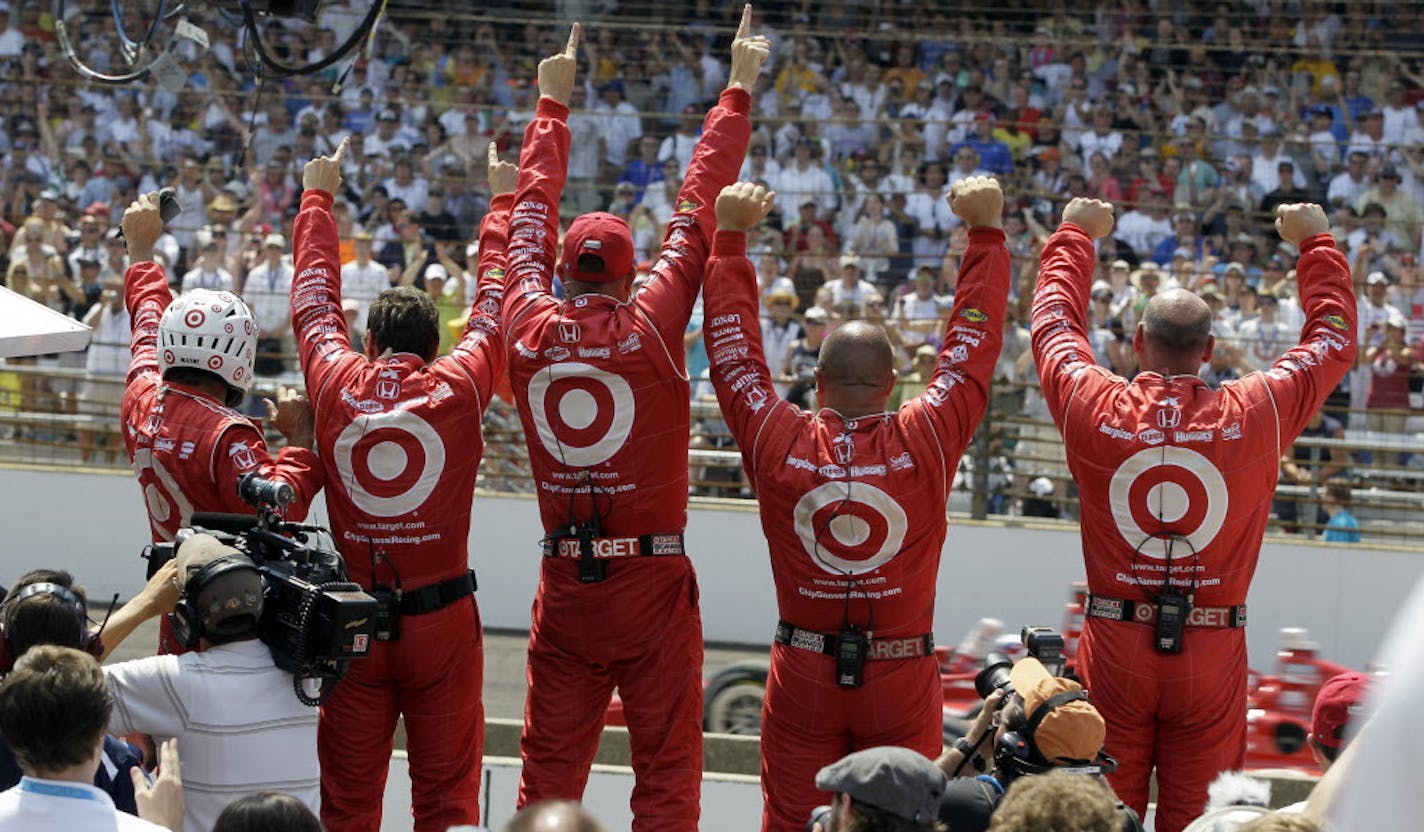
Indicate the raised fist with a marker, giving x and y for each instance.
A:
(978, 201)
(742, 205)
(1092, 215)
(556, 72)
(1299, 221)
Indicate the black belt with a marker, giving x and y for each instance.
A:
(1145, 612)
(437, 596)
(880, 649)
(642, 546)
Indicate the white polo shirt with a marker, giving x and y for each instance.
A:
(240, 728)
(59, 804)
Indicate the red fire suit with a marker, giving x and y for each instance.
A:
(853, 511)
(603, 395)
(1176, 480)
(400, 440)
(188, 449)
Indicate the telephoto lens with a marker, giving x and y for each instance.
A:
(994, 676)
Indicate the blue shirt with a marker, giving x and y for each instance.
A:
(640, 175)
(994, 155)
(1342, 528)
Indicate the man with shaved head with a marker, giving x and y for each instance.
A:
(1176, 479)
(852, 503)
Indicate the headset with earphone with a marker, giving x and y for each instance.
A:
(1016, 754)
(90, 642)
(189, 626)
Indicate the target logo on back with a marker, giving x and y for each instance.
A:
(849, 528)
(1168, 490)
(390, 462)
(583, 414)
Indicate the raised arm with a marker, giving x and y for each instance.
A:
(543, 167)
(481, 348)
(316, 289)
(668, 295)
(1301, 379)
(958, 393)
(1060, 303)
(732, 328)
(146, 292)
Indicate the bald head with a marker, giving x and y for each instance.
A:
(554, 816)
(857, 353)
(1175, 334)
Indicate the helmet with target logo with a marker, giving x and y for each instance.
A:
(212, 331)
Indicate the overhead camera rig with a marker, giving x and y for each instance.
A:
(155, 54)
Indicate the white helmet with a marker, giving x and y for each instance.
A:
(210, 331)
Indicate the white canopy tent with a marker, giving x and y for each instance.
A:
(29, 328)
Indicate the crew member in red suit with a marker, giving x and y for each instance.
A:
(399, 434)
(603, 394)
(1176, 481)
(192, 364)
(852, 503)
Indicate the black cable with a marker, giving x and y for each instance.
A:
(278, 69)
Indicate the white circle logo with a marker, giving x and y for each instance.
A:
(167, 506)
(390, 462)
(849, 529)
(593, 409)
(1168, 490)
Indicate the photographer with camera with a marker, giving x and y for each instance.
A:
(192, 364)
(399, 430)
(1032, 722)
(229, 705)
(1176, 479)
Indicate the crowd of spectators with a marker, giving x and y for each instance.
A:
(1195, 118)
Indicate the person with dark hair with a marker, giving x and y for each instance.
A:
(1175, 481)
(192, 364)
(267, 812)
(852, 503)
(54, 708)
(399, 434)
(601, 381)
(234, 712)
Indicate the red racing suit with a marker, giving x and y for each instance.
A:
(400, 440)
(853, 512)
(603, 395)
(188, 449)
(1176, 480)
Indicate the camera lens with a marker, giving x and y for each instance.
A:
(994, 676)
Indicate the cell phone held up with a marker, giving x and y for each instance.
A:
(168, 207)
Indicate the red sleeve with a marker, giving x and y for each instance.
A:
(316, 289)
(958, 393)
(1301, 379)
(146, 294)
(481, 348)
(731, 329)
(241, 449)
(668, 295)
(1060, 313)
(534, 221)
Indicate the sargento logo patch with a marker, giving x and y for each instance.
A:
(1337, 321)
(687, 205)
(974, 314)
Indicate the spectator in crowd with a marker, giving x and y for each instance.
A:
(267, 812)
(1314, 466)
(1342, 527)
(54, 709)
(362, 279)
(1057, 803)
(266, 290)
(271, 739)
(1391, 365)
(209, 273)
(881, 788)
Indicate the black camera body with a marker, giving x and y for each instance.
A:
(314, 620)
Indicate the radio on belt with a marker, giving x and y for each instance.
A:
(852, 648)
(1173, 609)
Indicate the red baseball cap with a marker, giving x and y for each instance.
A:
(1339, 699)
(605, 236)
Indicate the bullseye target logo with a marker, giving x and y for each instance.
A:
(215, 362)
(583, 414)
(1168, 491)
(849, 531)
(194, 318)
(168, 357)
(390, 462)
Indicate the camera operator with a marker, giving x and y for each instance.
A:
(44, 607)
(231, 708)
(1033, 723)
(192, 363)
(882, 789)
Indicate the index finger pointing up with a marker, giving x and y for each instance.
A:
(493, 153)
(745, 28)
(341, 150)
(574, 32)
